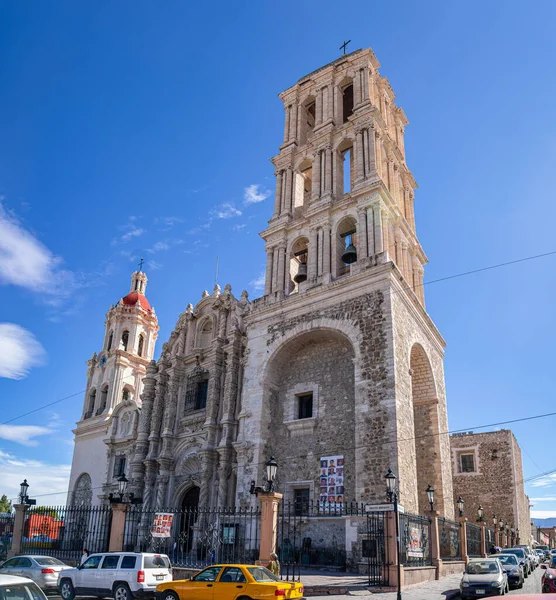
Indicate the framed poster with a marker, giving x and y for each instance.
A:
(162, 525)
(415, 542)
(331, 475)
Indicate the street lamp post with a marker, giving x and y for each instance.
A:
(430, 496)
(23, 497)
(271, 468)
(460, 506)
(119, 498)
(392, 496)
(480, 514)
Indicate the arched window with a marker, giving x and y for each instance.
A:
(91, 404)
(205, 334)
(103, 399)
(140, 345)
(125, 340)
(346, 245)
(344, 172)
(110, 340)
(347, 102)
(307, 122)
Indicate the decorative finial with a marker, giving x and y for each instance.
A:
(189, 308)
(141, 263)
(205, 294)
(216, 290)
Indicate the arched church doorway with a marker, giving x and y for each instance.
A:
(189, 516)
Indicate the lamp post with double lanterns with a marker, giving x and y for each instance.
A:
(121, 497)
(271, 468)
(392, 497)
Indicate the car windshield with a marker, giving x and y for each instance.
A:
(507, 559)
(28, 591)
(517, 551)
(482, 568)
(261, 574)
(48, 561)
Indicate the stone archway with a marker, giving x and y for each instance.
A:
(188, 518)
(426, 428)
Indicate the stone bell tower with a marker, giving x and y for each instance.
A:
(114, 378)
(341, 350)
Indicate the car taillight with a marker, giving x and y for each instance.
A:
(280, 593)
(48, 571)
(140, 576)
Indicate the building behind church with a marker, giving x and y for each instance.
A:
(337, 371)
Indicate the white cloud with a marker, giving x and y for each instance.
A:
(543, 514)
(19, 351)
(158, 247)
(25, 261)
(255, 193)
(131, 234)
(168, 222)
(49, 482)
(225, 211)
(258, 283)
(239, 227)
(545, 499)
(23, 434)
(152, 264)
(546, 481)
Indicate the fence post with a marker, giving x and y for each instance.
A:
(484, 552)
(435, 543)
(463, 538)
(19, 525)
(117, 527)
(392, 551)
(269, 523)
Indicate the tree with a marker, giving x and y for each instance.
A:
(5, 504)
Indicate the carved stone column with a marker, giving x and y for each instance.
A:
(326, 249)
(275, 269)
(281, 265)
(287, 205)
(158, 411)
(170, 409)
(362, 250)
(278, 198)
(312, 266)
(268, 272)
(316, 188)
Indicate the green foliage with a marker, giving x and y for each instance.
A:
(5, 504)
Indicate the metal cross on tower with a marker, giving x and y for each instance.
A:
(343, 46)
(141, 265)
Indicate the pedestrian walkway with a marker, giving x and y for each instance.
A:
(351, 586)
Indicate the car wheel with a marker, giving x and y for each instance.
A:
(66, 589)
(122, 592)
(169, 595)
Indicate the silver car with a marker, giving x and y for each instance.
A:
(43, 570)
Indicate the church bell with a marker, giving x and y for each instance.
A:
(350, 254)
(301, 273)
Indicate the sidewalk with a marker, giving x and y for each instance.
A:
(356, 586)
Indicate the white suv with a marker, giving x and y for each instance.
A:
(122, 575)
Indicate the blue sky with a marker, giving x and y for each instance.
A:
(136, 129)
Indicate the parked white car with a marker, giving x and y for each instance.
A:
(13, 587)
(122, 575)
(43, 570)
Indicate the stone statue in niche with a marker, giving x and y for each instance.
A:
(125, 424)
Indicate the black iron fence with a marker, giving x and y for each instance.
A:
(450, 539)
(313, 534)
(490, 538)
(473, 540)
(415, 535)
(195, 537)
(374, 548)
(64, 531)
(6, 532)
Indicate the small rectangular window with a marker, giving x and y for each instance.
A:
(305, 406)
(128, 562)
(301, 501)
(110, 562)
(202, 389)
(467, 462)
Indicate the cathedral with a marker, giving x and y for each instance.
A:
(336, 371)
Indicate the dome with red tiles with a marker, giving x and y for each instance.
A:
(132, 297)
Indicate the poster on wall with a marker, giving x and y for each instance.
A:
(162, 525)
(331, 491)
(415, 542)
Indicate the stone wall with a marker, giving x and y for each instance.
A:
(497, 483)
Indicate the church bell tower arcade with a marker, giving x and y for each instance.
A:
(343, 360)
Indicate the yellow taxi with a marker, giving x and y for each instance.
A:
(230, 582)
